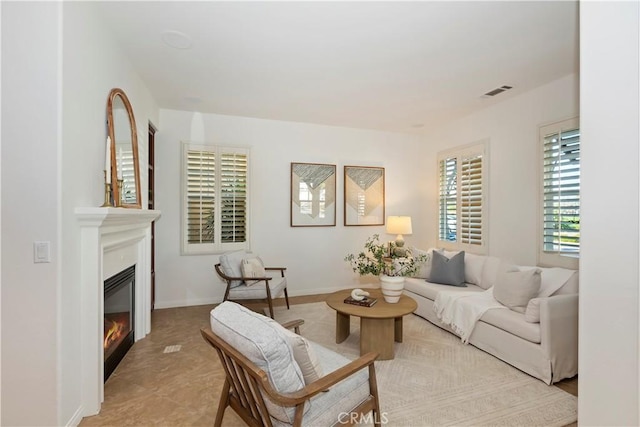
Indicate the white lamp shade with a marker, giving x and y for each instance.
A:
(399, 225)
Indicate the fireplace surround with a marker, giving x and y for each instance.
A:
(111, 240)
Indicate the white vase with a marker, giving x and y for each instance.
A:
(391, 287)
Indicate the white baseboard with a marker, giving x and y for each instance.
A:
(187, 302)
(217, 300)
(76, 418)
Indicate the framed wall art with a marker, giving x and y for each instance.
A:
(313, 195)
(363, 195)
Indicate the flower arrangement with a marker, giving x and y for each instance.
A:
(378, 259)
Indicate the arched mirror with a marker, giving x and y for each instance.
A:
(124, 150)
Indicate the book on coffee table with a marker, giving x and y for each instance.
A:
(366, 302)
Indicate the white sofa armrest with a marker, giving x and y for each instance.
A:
(559, 333)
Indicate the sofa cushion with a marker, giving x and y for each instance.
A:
(490, 272)
(263, 341)
(305, 356)
(572, 285)
(473, 266)
(514, 323)
(514, 288)
(231, 263)
(553, 279)
(430, 290)
(532, 312)
(448, 271)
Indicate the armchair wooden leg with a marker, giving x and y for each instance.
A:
(270, 308)
(286, 297)
(222, 405)
(373, 389)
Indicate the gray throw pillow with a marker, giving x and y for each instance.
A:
(447, 271)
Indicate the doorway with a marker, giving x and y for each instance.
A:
(151, 180)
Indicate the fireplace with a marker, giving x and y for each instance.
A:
(119, 315)
(112, 240)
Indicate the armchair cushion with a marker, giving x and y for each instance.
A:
(305, 356)
(263, 341)
(231, 263)
(326, 408)
(258, 290)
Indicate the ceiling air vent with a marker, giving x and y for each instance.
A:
(498, 90)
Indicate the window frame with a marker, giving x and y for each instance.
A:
(549, 258)
(217, 247)
(460, 153)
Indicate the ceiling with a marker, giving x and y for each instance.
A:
(393, 66)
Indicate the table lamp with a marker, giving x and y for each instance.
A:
(399, 225)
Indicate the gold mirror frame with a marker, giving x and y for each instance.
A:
(124, 154)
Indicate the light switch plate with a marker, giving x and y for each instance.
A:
(41, 251)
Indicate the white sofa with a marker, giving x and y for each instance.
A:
(546, 349)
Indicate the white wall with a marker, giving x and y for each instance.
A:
(93, 64)
(58, 65)
(609, 313)
(313, 255)
(30, 188)
(512, 129)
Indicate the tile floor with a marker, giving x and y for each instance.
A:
(153, 388)
(181, 388)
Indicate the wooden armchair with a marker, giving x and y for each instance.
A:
(255, 289)
(347, 395)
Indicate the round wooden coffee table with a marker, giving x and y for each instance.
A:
(380, 324)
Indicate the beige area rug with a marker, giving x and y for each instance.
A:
(435, 380)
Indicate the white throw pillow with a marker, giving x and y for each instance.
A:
(425, 268)
(554, 280)
(305, 357)
(490, 272)
(532, 313)
(473, 265)
(252, 267)
(515, 288)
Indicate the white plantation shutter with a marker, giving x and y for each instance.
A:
(233, 197)
(448, 213)
(215, 199)
(471, 200)
(125, 164)
(462, 191)
(201, 195)
(561, 188)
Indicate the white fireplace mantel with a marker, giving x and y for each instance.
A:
(112, 239)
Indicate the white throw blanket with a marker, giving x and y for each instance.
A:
(462, 310)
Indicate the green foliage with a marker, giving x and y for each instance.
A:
(377, 259)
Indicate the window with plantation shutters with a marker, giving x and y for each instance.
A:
(560, 195)
(471, 199)
(462, 192)
(215, 199)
